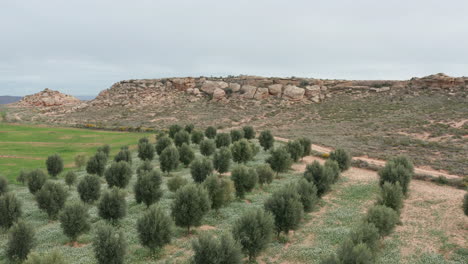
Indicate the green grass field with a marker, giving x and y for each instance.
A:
(27, 147)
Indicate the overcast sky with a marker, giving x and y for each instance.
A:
(82, 47)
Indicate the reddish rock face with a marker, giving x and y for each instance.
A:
(48, 98)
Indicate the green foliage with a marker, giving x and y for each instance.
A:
(148, 188)
(368, 234)
(197, 136)
(190, 205)
(321, 176)
(200, 169)
(89, 188)
(74, 220)
(306, 146)
(104, 149)
(186, 154)
(244, 179)
(249, 132)
(174, 183)
(54, 165)
(143, 140)
(169, 159)
(155, 228)
(219, 190)
(342, 157)
(279, 160)
(144, 167)
(51, 198)
(334, 169)
(223, 140)
(207, 147)
(22, 177)
(124, 155)
(97, 164)
(391, 195)
(109, 245)
(394, 172)
(465, 204)
(52, 258)
(384, 218)
(173, 129)
(308, 194)
(189, 128)
(10, 210)
(236, 135)
(210, 132)
(266, 140)
(405, 162)
(21, 241)
(222, 160)
(146, 151)
(80, 160)
(118, 174)
(182, 137)
(355, 253)
(286, 207)
(70, 178)
(162, 143)
(295, 149)
(3, 185)
(265, 174)
(254, 231)
(210, 250)
(36, 180)
(112, 205)
(242, 151)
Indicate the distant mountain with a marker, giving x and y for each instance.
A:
(85, 97)
(6, 99)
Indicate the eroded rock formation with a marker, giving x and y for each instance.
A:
(47, 98)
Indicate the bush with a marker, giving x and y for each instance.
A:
(174, 183)
(219, 190)
(10, 210)
(393, 173)
(207, 147)
(342, 157)
(222, 160)
(21, 241)
(70, 179)
(109, 245)
(405, 162)
(308, 194)
(80, 160)
(266, 140)
(295, 149)
(144, 167)
(384, 218)
(210, 132)
(351, 253)
(112, 205)
(321, 176)
(54, 165)
(210, 250)
(51, 198)
(189, 128)
(124, 155)
(200, 169)
(190, 205)
(89, 188)
(52, 258)
(242, 151)
(143, 140)
(334, 169)
(36, 180)
(265, 174)
(162, 143)
(22, 177)
(169, 159)
(74, 220)
(244, 179)
(104, 149)
(173, 129)
(249, 132)
(148, 188)
(3, 185)
(253, 231)
(223, 140)
(146, 151)
(186, 154)
(97, 164)
(465, 204)
(236, 135)
(286, 207)
(366, 233)
(197, 136)
(118, 174)
(391, 195)
(182, 137)
(306, 146)
(279, 160)
(155, 228)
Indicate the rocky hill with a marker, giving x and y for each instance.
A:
(47, 98)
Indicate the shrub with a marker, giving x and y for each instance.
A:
(80, 160)
(393, 173)
(118, 174)
(242, 151)
(244, 179)
(391, 195)
(112, 205)
(144, 167)
(265, 174)
(405, 162)
(143, 140)
(295, 149)
(366, 233)
(223, 140)
(22, 177)
(52, 258)
(3, 185)
(74, 220)
(249, 132)
(51, 198)
(200, 169)
(465, 204)
(97, 164)
(189, 128)
(384, 218)
(266, 140)
(308, 194)
(342, 157)
(169, 159)
(321, 176)
(210, 132)
(155, 228)
(219, 190)
(173, 129)
(186, 154)
(70, 178)
(222, 160)
(109, 245)
(182, 137)
(124, 155)
(148, 188)
(162, 143)
(279, 160)
(89, 188)
(286, 207)
(253, 231)
(349, 252)
(146, 151)
(334, 169)
(36, 180)
(236, 135)
(210, 250)
(104, 149)
(197, 136)
(174, 183)
(10, 210)
(306, 146)
(21, 241)
(190, 205)
(54, 165)
(207, 147)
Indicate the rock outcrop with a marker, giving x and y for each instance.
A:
(48, 98)
(439, 81)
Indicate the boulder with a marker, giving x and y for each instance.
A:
(275, 89)
(218, 94)
(248, 91)
(292, 92)
(209, 86)
(311, 91)
(262, 93)
(235, 87)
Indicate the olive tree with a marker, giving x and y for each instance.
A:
(189, 128)
(342, 157)
(10, 210)
(266, 140)
(244, 179)
(146, 151)
(97, 164)
(162, 143)
(74, 220)
(384, 218)
(182, 137)
(109, 245)
(112, 205)
(148, 188)
(186, 154)
(279, 160)
(242, 151)
(124, 155)
(70, 179)
(173, 129)
(51, 198)
(295, 149)
(222, 160)
(265, 174)
(36, 180)
(3, 185)
(176, 182)
(155, 228)
(306, 146)
(219, 190)
(207, 147)
(210, 250)
(169, 159)
(223, 140)
(200, 169)
(210, 132)
(89, 188)
(104, 149)
(197, 136)
(190, 205)
(249, 132)
(54, 165)
(118, 174)
(21, 240)
(307, 194)
(393, 173)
